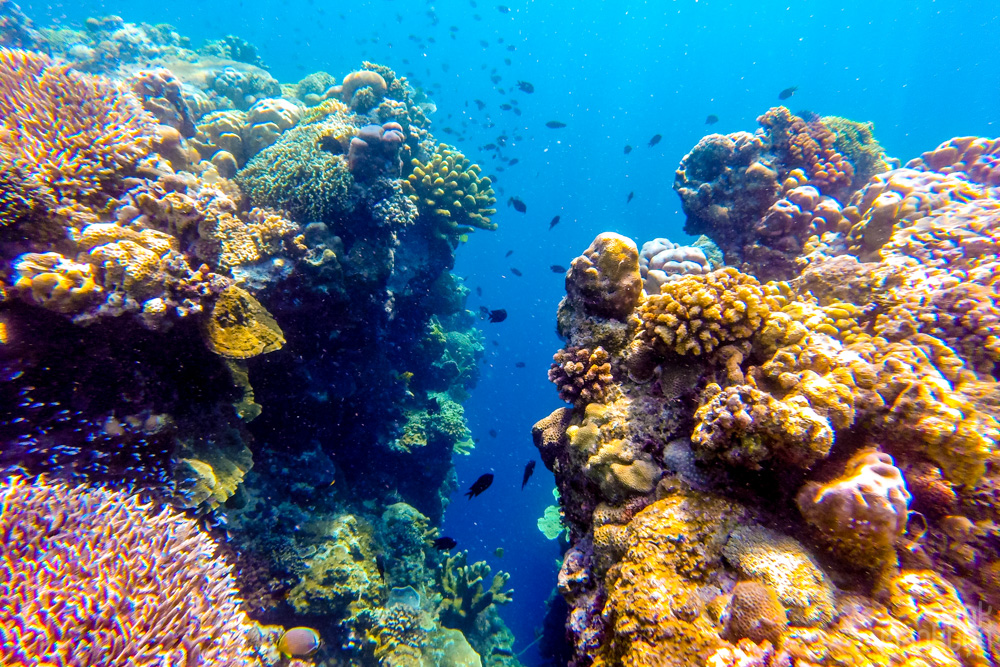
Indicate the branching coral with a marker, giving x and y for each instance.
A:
(582, 376)
(449, 189)
(92, 576)
(465, 596)
(73, 130)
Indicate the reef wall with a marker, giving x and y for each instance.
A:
(790, 459)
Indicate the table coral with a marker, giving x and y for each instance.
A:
(465, 595)
(450, 191)
(581, 375)
(71, 560)
(605, 279)
(861, 513)
(49, 113)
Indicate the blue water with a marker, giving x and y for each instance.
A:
(616, 73)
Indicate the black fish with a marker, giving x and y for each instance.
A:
(516, 272)
(480, 104)
(506, 107)
(555, 221)
(509, 253)
(518, 205)
(480, 485)
(787, 92)
(524, 85)
(628, 149)
(495, 343)
(520, 364)
(511, 163)
(655, 140)
(529, 469)
(380, 565)
(630, 196)
(517, 112)
(445, 543)
(495, 78)
(556, 268)
(511, 47)
(497, 316)
(493, 433)
(506, 61)
(490, 147)
(483, 43)
(479, 291)
(712, 119)
(555, 124)
(502, 9)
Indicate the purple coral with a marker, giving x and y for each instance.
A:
(375, 151)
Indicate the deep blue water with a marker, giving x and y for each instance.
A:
(616, 73)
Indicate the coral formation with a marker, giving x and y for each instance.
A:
(661, 261)
(605, 279)
(582, 376)
(465, 595)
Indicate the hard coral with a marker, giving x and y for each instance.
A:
(661, 261)
(605, 279)
(74, 131)
(54, 282)
(375, 151)
(862, 513)
(810, 144)
(240, 328)
(582, 376)
(754, 613)
(976, 158)
(465, 596)
(450, 191)
(71, 561)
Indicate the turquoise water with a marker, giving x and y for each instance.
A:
(616, 74)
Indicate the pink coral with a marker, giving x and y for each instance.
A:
(91, 576)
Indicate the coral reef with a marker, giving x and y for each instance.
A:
(582, 376)
(465, 595)
(605, 280)
(661, 261)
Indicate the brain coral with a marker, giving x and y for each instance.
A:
(661, 261)
(71, 129)
(861, 513)
(605, 279)
(91, 576)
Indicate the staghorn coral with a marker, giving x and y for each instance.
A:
(582, 376)
(240, 328)
(783, 564)
(464, 594)
(71, 563)
(661, 261)
(449, 190)
(49, 126)
(605, 279)
(862, 513)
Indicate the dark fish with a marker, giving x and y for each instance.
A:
(483, 43)
(480, 485)
(655, 140)
(497, 316)
(529, 470)
(511, 47)
(495, 343)
(506, 652)
(495, 78)
(511, 163)
(555, 221)
(555, 124)
(630, 196)
(380, 564)
(518, 205)
(502, 9)
(517, 112)
(556, 268)
(509, 253)
(520, 364)
(628, 149)
(445, 543)
(524, 85)
(480, 104)
(787, 92)
(506, 61)
(506, 107)
(712, 119)
(490, 147)
(516, 272)
(493, 433)
(479, 291)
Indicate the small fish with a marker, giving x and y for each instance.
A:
(299, 642)
(483, 43)
(516, 272)
(490, 147)
(445, 543)
(555, 221)
(497, 316)
(479, 291)
(558, 268)
(511, 47)
(493, 433)
(520, 364)
(509, 253)
(380, 565)
(630, 196)
(529, 470)
(712, 119)
(524, 85)
(495, 78)
(787, 92)
(498, 552)
(518, 205)
(517, 112)
(503, 9)
(495, 343)
(555, 124)
(506, 107)
(480, 485)
(655, 140)
(480, 104)
(506, 61)
(628, 149)
(511, 163)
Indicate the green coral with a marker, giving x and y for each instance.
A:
(449, 189)
(550, 523)
(856, 141)
(302, 172)
(463, 594)
(442, 421)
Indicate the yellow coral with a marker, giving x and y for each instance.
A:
(54, 282)
(240, 328)
(698, 313)
(450, 189)
(606, 279)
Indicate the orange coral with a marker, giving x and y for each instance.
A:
(755, 613)
(72, 129)
(976, 157)
(582, 376)
(811, 144)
